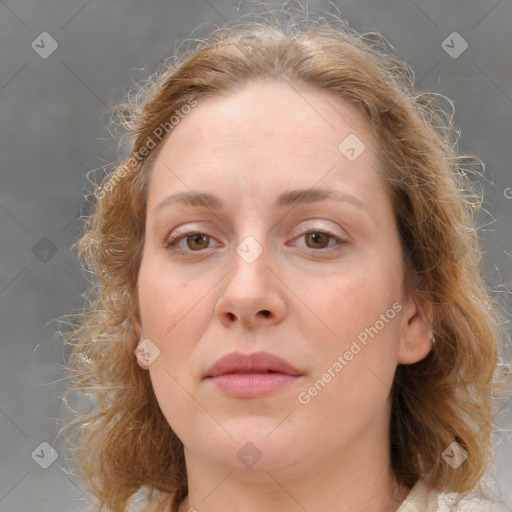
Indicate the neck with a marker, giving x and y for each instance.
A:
(362, 482)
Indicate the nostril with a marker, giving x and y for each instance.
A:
(265, 312)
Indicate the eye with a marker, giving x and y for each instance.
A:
(319, 238)
(194, 240)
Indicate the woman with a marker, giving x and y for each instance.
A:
(290, 314)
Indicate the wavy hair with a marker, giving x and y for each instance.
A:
(124, 443)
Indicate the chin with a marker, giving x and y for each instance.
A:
(255, 446)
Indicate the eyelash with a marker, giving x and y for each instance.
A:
(171, 243)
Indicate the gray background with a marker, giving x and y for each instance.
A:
(54, 115)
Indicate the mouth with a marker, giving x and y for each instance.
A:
(251, 375)
(249, 372)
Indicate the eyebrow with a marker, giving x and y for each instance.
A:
(285, 199)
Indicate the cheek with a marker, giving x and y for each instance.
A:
(173, 313)
(173, 317)
(357, 318)
(355, 368)
(343, 305)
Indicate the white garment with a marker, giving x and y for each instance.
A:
(422, 498)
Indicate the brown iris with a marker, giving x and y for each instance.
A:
(316, 237)
(201, 240)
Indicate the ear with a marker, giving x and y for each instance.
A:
(142, 364)
(141, 350)
(416, 336)
(141, 354)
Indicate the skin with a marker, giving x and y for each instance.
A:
(247, 147)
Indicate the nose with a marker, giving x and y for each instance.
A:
(253, 295)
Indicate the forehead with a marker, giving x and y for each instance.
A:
(268, 136)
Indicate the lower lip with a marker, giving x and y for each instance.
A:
(251, 385)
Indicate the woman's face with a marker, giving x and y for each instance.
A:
(312, 277)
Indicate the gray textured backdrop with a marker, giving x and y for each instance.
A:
(54, 114)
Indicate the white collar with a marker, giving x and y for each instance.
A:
(423, 498)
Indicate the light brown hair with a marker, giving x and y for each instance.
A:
(126, 442)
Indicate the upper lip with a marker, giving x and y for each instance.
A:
(257, 362)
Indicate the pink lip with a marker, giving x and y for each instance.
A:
(251, 375)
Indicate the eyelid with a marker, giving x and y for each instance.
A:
(187, 229)
(298, 231)
(320, 225)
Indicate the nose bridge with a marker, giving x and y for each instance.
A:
(249, 295)
(250, 260)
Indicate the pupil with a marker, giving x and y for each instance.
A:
(317, 237)
(198, 239)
